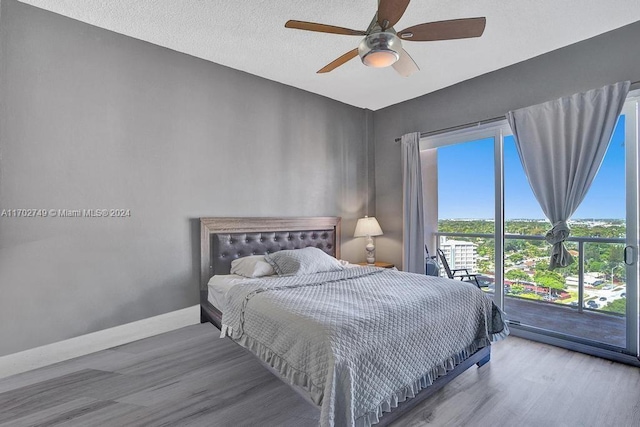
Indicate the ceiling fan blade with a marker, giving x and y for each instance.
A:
(444, 30)
(338, 62)
(405, 66)
(390, 12)
(322, 28)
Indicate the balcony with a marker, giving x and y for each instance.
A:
(594, 325)
(588, 305)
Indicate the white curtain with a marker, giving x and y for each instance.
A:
(412, 209)
(561, 145)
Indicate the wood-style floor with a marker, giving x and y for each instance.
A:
(190, 377)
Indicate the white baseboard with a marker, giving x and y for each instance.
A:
(49, 354)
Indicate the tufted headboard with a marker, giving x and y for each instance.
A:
(225, 239)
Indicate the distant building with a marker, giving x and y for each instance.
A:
(590, 280)
(460, 254)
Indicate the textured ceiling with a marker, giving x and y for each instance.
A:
(250, 36)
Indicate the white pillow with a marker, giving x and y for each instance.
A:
(302, 261)
(251, 266)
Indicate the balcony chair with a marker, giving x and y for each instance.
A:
(431, 267)
(456, 273)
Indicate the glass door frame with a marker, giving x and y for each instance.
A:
(631, 111)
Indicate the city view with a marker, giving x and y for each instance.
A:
(526, 261)
(591, 305)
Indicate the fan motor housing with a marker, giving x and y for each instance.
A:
(380, 49)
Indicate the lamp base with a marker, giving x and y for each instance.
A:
(371, 251)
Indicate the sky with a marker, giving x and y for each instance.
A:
(466, 183)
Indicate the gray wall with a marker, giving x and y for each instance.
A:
(608, 58)
(94, 119)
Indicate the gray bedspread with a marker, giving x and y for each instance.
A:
(362, 339)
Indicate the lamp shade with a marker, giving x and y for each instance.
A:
(367, 226)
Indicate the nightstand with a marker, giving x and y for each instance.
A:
(379, 264)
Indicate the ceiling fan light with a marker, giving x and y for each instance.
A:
(380, 49)
(380, 58)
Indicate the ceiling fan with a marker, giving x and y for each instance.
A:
(382, 45)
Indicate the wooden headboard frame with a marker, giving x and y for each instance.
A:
(210, 226)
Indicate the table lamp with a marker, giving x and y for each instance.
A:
(368, 227)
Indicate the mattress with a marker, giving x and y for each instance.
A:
(218, 287)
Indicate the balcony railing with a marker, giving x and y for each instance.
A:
(579, 308)
(585, 292)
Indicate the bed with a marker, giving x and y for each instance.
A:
(360, 369)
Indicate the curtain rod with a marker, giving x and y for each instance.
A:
(452, 128)
(482, 122)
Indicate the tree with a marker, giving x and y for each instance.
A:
(517, 257)
(549, 279)
(615, 256)
(592, 251)
(517, 275)
(517, 289)
(595, 266)
(483, 266)
(571, 269)
(541, 266)
(533, 251)
(512, 245)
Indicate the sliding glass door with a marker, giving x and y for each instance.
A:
(488, 219)
(585, 300)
